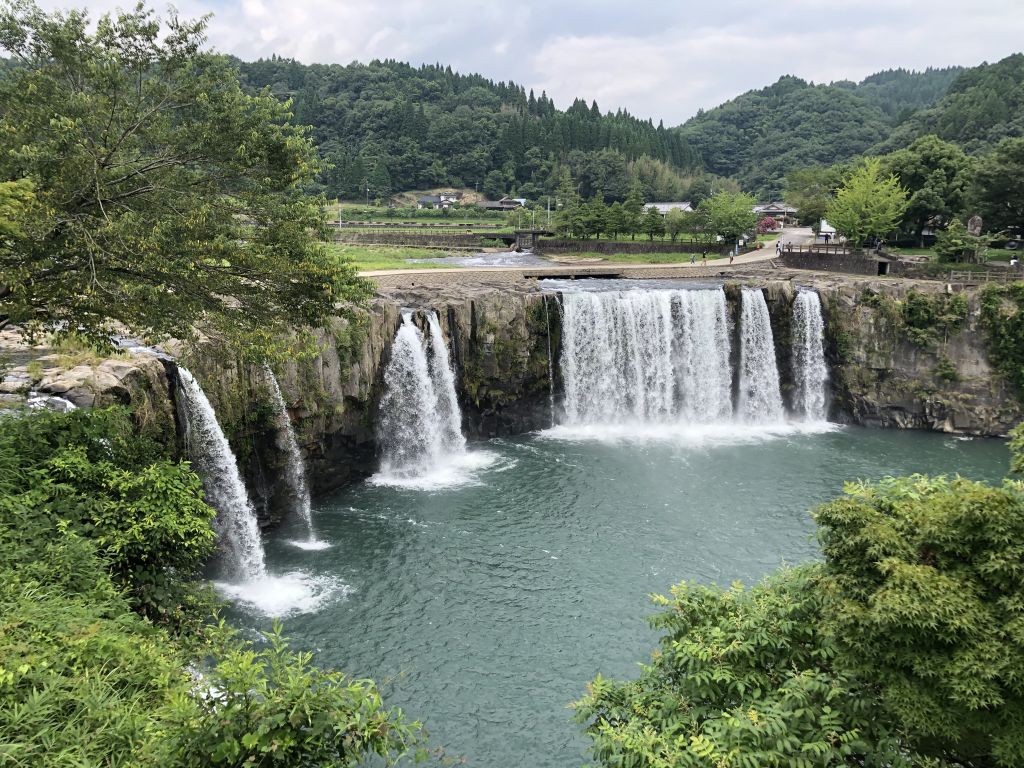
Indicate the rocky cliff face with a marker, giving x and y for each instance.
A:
(894, 368)
(892, 365)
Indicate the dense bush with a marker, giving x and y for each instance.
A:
(905, 647)
(105, 659)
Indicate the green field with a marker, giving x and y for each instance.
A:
(367, 257)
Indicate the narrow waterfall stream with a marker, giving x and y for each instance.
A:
(810, 373)
(237, 528)
(298, 485)
(420, 424)
(759, 398)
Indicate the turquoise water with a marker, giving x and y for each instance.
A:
(486, 606)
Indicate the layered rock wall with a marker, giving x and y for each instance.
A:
(504, 338)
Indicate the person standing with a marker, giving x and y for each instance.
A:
(693, 257)
(704, 257)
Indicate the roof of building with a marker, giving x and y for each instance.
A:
(666, 207)
(774, 206)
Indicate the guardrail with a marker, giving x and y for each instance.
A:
(835, 250)
(988, 276)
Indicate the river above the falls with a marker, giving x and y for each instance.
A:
(484, 608)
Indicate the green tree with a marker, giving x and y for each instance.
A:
(998, 191)
(676, 222)
(868, 204)
(169, 201)
(653, 223)
(955, 243)
(810, 190)
(616, 219)
(594, 218)
(633, 211)
(937, 175)
(728, 215)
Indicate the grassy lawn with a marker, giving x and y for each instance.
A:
(366, 257)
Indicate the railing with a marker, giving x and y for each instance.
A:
(988, 276)
(836, 250)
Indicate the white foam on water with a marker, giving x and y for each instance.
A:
(285, 595)
(453, 471)
(687, 435)
(310, 545)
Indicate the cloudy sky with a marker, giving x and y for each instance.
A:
(656, 58)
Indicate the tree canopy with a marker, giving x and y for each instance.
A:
(868, 204)
(167, 200)
(998, 192)
(428, 126)
(728, 215)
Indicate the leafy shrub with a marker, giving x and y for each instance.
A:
(266, 705)
(904, 648)
(1002, 317)
(930, 319)
(96, 521)
(88, 472)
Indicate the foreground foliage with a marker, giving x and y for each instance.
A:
(165, 197)
(904, 648)
(105, 655)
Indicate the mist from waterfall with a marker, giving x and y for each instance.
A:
(810, 372)
(295, 468)
(214, 461)
(759, 400)
(420, 423)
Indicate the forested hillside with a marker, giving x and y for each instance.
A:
(760, 135)
(983, 105)
(390, 126)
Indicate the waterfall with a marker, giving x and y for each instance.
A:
(420, 421)
(759, 396)
(442, 377)
(551, 364)
(208, 449)
(296, 469)
(645, 356)
(810, 374)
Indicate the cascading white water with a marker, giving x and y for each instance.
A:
(443, 379)
(296, 468)
(759, 398)
(810, 373)
(645, 356)
(420, 421)
(211, 456)
(705, 373)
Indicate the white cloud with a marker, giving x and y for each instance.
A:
(659, 59)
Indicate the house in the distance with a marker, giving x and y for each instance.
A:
(443, 200)
(505, 204)
(664, 208)
(777, 210)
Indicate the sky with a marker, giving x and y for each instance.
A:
(658, 59)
